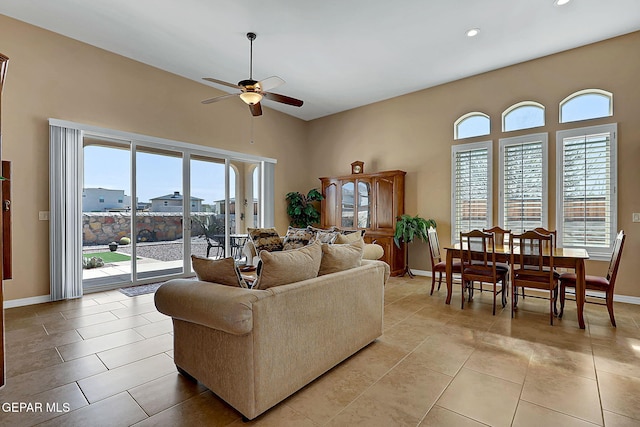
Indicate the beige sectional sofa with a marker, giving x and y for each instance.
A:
(254, 348)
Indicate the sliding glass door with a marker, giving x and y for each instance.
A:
(148, 204)
(106, 211)
(158, 224)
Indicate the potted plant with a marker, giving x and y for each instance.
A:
(409, 228)
(301, 208)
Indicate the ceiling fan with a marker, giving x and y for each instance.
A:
(253, 91)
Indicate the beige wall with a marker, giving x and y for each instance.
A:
(415, 133)
(51, 76)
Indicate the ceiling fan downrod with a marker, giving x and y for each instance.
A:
(251, 37)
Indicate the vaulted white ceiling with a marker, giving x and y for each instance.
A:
(334, 55)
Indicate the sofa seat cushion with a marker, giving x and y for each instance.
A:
(222, 271)
(225, 308)
(284, 267)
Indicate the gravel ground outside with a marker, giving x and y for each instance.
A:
(161, 251)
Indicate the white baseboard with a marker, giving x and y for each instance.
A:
(27, 301)
(421, 272)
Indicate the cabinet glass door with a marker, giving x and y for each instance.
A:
(364, 204)
(348, 204)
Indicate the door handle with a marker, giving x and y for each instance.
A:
(6, 205)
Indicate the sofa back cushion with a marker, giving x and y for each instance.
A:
(265, 239)
(284, 267)
(341, 257)
(222, 271)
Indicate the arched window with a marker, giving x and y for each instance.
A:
(523, 115)
(471, 124)
(586, 104)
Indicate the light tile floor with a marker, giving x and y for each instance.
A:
(106, 359)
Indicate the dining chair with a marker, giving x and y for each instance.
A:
(546, 232)
(529, 269)
(500, 237)
(605, 284)
(542, 230)
(478, 258)
(437, 265)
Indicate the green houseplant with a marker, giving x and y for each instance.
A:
(301, 208)
(409, 228)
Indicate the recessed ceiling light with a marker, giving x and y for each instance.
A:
(561, 2)
(473, 32)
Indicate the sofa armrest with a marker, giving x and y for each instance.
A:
(225, 308)
(387, 269)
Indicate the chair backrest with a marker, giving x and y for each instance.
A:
(546, 232)
(612, 272)
(500, 234)
(533, 248)
(434, 246)
(480, 247)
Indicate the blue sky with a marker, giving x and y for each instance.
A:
(158, 175)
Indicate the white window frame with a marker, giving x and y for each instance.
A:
(596, 253)
(586, 92)
(455, 149)
(514, 107)
(468, 116)
(519, 140)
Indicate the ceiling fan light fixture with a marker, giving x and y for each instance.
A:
(251, 98)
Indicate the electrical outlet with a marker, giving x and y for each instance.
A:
(43, 215)
(636, 217)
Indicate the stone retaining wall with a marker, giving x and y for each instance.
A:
(102, 228)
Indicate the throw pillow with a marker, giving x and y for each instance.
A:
(296, 238)
(323, 236)
(340, 257)
(352, 237)
(222, 271)
(265, 239)
(346, 232)
(284, 267)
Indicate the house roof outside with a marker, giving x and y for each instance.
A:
(334, 58)
(176, 196)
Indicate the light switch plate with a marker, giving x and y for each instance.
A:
(43, 215)
(636, 217)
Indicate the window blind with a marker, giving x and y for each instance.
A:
(472, 192)
(587, 191)
(523, 186)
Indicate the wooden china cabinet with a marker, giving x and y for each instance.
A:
(3, 247)
(371, 201)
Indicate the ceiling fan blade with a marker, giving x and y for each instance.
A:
(220, 82)
(256, 109)
(219, 98)
(283, 99)
(269, 83)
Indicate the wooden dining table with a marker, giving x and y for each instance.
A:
(572, 258)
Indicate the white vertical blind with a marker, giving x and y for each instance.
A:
(587, 187)
(471, 198)
(523, 178)
(65, 205)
